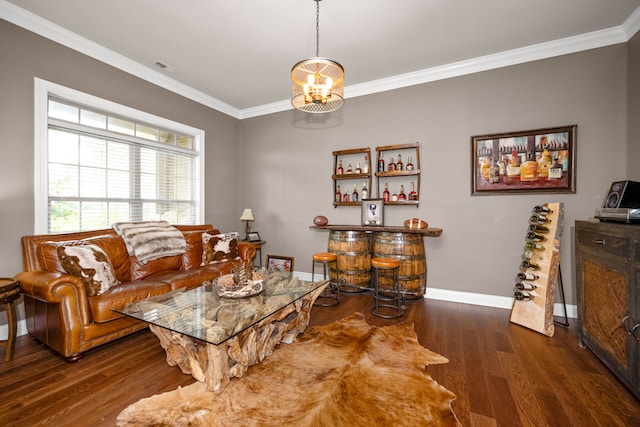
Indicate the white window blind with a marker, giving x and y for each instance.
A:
(103, 167)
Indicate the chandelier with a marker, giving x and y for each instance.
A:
(318, 83)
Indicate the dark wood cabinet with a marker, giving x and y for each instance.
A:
(608, 291)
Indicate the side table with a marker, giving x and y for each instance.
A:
(258, 246)
(9, 292)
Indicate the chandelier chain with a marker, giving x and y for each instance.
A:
(317, 27)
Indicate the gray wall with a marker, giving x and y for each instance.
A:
(288, 180)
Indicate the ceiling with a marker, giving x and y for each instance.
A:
(236, 55)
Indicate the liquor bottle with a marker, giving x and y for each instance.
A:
(338, 194)
(527, 276)
(349, 170)
(485, 168)
(534, 246)
(394, 196)
(412, 193)
(385, 194)
(380, 163)
(565, 163)
(522, 286)
(529, 265)
(541, 209)
(529, 169)
(399, 164)
(365, 166)
(532, 236)
(345, 196)
(409, 166)
(364, 192)
(392, 165)
(340, 168)
(494, 172)
(555, 170)
(354, 195)
(513, 168)
(402, 197)
(358, 168)
(538, 219)
(538, 228)
(522, 295)
(544, 163)
(502, 166)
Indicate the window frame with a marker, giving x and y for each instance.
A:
(43, 89)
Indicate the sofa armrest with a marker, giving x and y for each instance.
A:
(57, 288)
(246, 250)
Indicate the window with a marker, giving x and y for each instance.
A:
(98, 162)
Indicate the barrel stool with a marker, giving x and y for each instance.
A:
(393, 303)
(9, 292)
(331, 294)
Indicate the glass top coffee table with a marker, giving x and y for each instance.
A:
(214, 338)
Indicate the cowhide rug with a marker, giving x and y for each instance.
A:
(347, 373)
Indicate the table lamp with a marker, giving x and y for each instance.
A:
(246, 216)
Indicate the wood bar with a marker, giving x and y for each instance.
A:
(427, 232)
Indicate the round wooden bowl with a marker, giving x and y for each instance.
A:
(415, 224)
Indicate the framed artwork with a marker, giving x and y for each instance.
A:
(533, 161)
(279, 263)
(372, 212)
(253, 236)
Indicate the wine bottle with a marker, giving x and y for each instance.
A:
(538, 219)
(365, 165)
(527, 276)
(340, 168)
(385, 194)
(412, 193)
(399, 164)
(409, 166)
(364, 192)
(380, 163)
(541, 209)
(402, 196)
(392, 165)
(354, 195)
(338, 194)
(522, 295)
(526, 264)
(534, 246)
(530, 255)
(532, 236)
(523, 286)
(538, 228)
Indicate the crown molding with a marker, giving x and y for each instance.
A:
(593, 40)
(29, 21)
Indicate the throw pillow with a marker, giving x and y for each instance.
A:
(219, 247)
(91, 264)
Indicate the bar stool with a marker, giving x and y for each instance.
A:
(331, 294)
(395, 301)
(9, 292)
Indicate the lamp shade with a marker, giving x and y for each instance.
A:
(247, 215)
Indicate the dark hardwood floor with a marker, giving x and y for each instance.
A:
(502, 374)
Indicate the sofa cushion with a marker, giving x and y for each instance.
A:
(141, 271)
(91, 264)
(193, 254)
(119, 296)
(219, 247)
(195, 276)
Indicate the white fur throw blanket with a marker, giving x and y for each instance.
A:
(149, 240)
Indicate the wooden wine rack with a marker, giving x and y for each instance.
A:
(537, 313)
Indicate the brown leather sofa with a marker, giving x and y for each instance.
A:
(60, 314)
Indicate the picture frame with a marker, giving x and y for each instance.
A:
(372, 212)
(253, 236)
(279, 263)
(532, 161)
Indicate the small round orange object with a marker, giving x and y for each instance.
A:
(320, 221)
(415, 224)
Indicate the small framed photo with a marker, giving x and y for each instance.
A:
(372, 212)
(253, 236)
(282, 264)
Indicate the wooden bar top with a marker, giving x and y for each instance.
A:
(429, 232)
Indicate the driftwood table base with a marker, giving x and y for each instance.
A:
(215, 365)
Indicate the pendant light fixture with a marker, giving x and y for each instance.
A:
(318, 83)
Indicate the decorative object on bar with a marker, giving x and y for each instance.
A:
(416, 224)
(318, 83)
(539, 272)
(247, 216)
(243, 282)
(320, 221)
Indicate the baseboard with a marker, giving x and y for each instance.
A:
(432, 293)
(473, 298)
